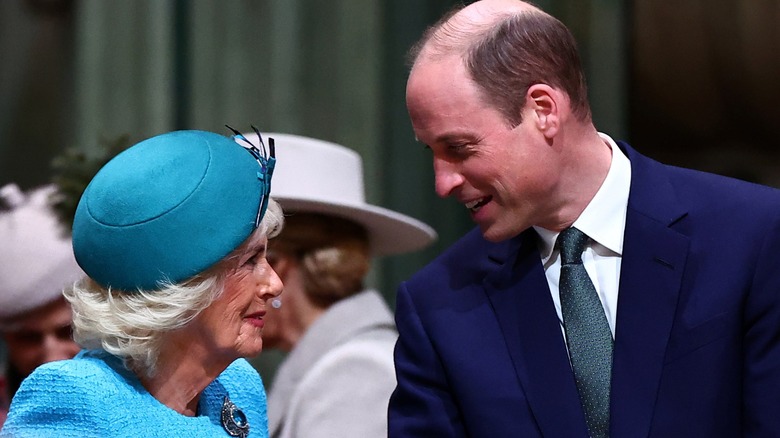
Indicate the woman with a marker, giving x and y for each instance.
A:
(337, 379)
(36, 263)
(172, 234)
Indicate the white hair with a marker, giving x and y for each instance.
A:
(132, 325)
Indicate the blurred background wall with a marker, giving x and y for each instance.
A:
(692, 83)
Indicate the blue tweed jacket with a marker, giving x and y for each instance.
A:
(94, 395)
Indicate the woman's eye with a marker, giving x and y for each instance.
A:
(252, 261)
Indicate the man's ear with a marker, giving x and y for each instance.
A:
(545, 104)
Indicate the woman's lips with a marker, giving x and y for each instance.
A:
(256, 319)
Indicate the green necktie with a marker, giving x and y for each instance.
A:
(587, 333)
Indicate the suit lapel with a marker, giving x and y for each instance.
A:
(520, 298)
(654, 257)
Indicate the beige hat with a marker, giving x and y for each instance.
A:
(36, 259)
(317, 176)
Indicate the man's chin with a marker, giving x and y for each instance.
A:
(492, 233)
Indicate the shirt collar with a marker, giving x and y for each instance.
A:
(604, 218)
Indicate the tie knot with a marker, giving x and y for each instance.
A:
(571, 243)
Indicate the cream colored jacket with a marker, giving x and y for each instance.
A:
(338, 379)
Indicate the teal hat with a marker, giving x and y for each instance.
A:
(170, 207)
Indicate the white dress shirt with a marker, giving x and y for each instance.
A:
(604, 221)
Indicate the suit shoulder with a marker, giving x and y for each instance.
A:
(467, 260)
(725, 195)
(699, 192)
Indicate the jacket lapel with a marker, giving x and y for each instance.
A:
(654, 257)
(520, 298)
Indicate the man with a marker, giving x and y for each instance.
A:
(497, 336)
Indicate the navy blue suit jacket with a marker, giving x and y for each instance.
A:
(697, 338)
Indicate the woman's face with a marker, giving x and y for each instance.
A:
(232, 325)
(286, 323)
(40, 336)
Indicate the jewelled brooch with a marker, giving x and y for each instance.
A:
(233, 419)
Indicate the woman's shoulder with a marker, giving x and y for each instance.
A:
(241, 376)
(85, 372)
(362, 361)
(243, 385)
(84, 380)
(240, 369)
(66, 398)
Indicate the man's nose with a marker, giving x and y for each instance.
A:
(447, 178)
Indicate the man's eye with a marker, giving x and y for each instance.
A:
(458, 148)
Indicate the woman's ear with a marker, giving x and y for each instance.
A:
(544, 107)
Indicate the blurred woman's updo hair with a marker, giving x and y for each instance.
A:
(334, 254)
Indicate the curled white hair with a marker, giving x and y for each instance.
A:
(132, 325)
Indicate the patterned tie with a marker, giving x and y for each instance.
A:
(587, 333)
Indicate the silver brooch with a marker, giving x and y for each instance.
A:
(233, 419)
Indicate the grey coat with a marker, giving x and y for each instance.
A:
(337, 380)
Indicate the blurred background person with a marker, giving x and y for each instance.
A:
(338, 376)
(36, 264)
(173, 235)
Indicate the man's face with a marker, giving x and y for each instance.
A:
(506, 176)
(40, 336)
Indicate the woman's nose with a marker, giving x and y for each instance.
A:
(275, 285)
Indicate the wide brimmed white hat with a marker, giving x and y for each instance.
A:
(36, 258)
(317, 176)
